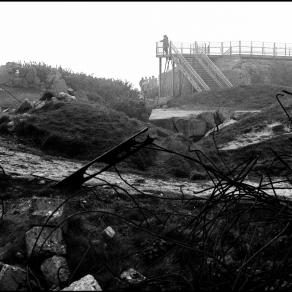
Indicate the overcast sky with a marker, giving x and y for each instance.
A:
(117, 39)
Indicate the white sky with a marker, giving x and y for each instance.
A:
(117, 39)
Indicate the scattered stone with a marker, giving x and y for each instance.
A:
(66, 96)
(55, 270)
(40, 105)
(53, 245)
(45, 206)
(10, 125)
(109, 231)
(132, 276)
(24, 107)
(87, 283)
(12, 278)
(140, 180)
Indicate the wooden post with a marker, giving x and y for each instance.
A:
(160, 65)
(205, 48)
(180, 83)
(285, 49)
(181, 48)
(251, 47)
(263, 48)
(209, 49)
(221, 48)
(239, 47)
(172, 83)
(274, 53)
(230, 49)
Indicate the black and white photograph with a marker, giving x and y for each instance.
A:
(146, 146)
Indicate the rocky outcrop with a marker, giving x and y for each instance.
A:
(194, 126)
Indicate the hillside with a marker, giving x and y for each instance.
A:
(244, 97)
(264, 134)
(31, 80)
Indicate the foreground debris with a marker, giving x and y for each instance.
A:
(87, 283)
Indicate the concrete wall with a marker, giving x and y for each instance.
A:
(240, 71)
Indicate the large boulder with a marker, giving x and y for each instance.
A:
(191, 127)
(43, 207)
(12, 278)
(51, 237)
(55, 270)
(164, 123)
(208, 117)
(87, 283)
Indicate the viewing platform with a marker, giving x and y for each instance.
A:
(232, 48)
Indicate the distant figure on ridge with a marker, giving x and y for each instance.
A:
(165, 44)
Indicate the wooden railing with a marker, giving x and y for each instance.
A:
(233, 48)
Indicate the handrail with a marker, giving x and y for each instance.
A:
(187, 66)
(250, 48)
(214, 69)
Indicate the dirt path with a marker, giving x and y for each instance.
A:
(17, 161)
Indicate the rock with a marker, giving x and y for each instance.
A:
(24, 107)
(53, 245)
(208, 117)
(164, 123)
(10, 126)
(43, 207)
(70, 91)
(12, 278)
(109, 231)
(223, 115)
(56, 270)
(191, 127)
(87, 283)
(66, 97)
(39, 105)
(132, 276)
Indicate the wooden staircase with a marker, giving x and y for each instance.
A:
(199, 69)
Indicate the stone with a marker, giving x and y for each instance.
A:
(191, 127)
(12, 278)
(45, 206)
(10, 125)
(109, 231)
(166, 123)
(132, 276)
(53, 245)
(87, 283)
(40, 105)
(24, 107)
(55, 270)
(208, 117)
(66, 97)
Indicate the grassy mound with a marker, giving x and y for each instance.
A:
(244, 97)
(84, 131)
